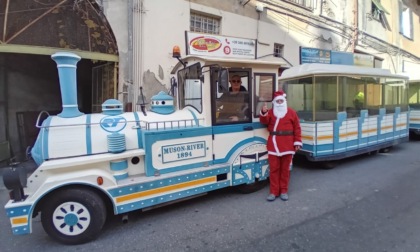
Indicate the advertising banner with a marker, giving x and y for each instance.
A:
(363, 60)
(220, 46)
(314, 55)
(342, 58)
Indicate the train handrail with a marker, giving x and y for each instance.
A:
(185, 123)
(39, 117)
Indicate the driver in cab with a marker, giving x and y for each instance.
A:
(232, 105)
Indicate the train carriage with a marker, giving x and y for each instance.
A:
(347, 110)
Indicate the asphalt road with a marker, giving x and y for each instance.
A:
(368, 203)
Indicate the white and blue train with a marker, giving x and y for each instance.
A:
(125, 161)
(114, 162)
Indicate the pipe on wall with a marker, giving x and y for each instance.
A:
(137, 73)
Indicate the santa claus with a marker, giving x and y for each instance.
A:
(282, 143)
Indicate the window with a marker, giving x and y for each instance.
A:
(414, 95)
(205, 24)
(325, 98)
(309, 4)
(278, 50)
(300, 97)
(395, 95)
(378, 13)
(264, 89)
(234, 104)
(189, 87)
(357, 93)
(406, 21)
(378, 9)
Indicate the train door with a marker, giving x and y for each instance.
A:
(231, 93)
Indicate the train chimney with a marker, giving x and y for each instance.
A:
(66, 64)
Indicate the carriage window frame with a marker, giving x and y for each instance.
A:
(414, 94)
(395, 94)
(306, 107)
(326, 93)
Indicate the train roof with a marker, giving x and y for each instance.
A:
(272, 61)
(331, 69)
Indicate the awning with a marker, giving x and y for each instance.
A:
(378, 5)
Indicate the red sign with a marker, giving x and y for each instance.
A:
(205, 44)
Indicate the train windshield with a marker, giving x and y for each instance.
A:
(189, 87)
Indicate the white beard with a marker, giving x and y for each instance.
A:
(280, 110)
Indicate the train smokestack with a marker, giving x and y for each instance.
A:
(67, 65)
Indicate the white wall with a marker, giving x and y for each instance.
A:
(118, 14)
(164, 22)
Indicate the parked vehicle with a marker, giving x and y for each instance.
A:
(115, 162)
(347, 110)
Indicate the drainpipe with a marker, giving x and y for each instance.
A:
(128, 80)
(356, 26)
(138, 27)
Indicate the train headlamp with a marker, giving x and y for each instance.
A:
(15, 179)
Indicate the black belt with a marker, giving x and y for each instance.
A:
(282, 133)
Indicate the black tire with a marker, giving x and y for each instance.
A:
(73, 216)
(385, 150)
(250, 188)
(328, 165)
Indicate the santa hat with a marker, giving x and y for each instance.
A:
(279, 95)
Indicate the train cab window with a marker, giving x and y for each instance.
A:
(264, 85)
(189, 87)
(232, 104)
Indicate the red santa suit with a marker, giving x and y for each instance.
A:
(285, 133)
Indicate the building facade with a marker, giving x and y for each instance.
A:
(133, 40)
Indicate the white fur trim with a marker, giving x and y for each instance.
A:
(279, 97)
(279, 154)
(274, 136)
(297, 143)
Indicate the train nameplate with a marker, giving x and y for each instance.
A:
(178, 152)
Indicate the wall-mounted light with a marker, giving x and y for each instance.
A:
(259, 7)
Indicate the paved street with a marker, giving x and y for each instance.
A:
(369, 203)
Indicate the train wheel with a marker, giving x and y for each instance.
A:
(73, 216)
(328, 165)
(250, 188)
(385, 150)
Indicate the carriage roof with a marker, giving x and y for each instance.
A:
(331, 69)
